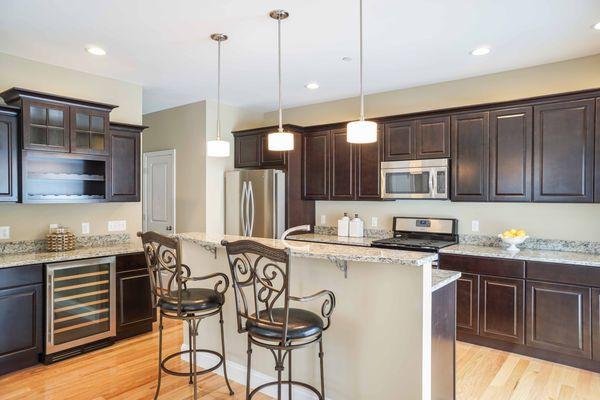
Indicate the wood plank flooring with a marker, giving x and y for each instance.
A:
(127, 371)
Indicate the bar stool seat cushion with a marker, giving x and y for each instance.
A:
(194, 299)
(301, 324)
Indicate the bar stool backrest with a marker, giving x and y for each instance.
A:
(260, 276)
(163, 259)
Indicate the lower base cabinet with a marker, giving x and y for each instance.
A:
(596, 324)
(135, 311)
(443, 343)
(502, 311)
(467, 304)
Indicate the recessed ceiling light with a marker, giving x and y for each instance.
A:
(95, 50)
(312, 85)
(346, 59)
(480, 51)
(597, 26)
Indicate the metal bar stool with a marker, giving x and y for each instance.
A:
(261, 282)
(169, 282)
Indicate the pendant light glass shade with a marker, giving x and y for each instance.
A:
(361, 131)
(280, 140)
(218, 147)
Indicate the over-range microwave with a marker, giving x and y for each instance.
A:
(415, 179)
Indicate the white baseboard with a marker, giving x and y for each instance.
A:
(237, 373)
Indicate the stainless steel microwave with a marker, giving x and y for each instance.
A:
(415, 179)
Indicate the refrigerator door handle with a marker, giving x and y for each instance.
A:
(242, 204)
(251, 209)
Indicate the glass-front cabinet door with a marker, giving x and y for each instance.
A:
(89, 131)
(45, 126)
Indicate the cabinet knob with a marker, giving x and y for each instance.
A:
(169, 228)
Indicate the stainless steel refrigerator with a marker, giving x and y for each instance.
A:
(255, 203)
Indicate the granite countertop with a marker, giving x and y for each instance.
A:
(332, 239)
(321, 250)
(552, 256)
(20, 259)
(441, 278)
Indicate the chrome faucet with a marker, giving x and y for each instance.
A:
(298, 228)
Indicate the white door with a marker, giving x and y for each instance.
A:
(159, 191)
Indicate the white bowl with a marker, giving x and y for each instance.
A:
(513, 242)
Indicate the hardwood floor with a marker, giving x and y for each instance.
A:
(127, 371)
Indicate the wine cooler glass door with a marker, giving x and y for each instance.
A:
(81, 303)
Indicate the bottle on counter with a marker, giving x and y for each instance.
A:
(357, 227)
(344, 225)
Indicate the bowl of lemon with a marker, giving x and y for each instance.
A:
(513, 237)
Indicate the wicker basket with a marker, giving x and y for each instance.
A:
(60, 239)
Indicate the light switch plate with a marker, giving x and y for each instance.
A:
(53, 226)
(475, 226)
(323, 219)
(85, 228)
(117, 226)
(4, 232)
(374, 222)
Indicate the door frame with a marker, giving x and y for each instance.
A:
(173, 154)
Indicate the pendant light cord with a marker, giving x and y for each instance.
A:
(219, 92)
(362, 95)
(279, 72)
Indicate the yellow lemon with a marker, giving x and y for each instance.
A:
(521, 233)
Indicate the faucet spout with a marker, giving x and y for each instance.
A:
(299, 228)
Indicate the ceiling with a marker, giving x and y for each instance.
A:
(165, 45)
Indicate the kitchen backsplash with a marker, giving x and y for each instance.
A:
(38, 245)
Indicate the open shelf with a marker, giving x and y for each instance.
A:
(64, 176)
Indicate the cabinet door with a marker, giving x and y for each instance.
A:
(21, 317)
(368, 169)
(124, 183)
(564, 151)
(596, 323)
(45, 126)
(341, 182)
(269, 158)
(467, 304)
(399, 141)
(558, 318)
(315, 166)
(89, 131)
(511, 142)
(597, 158)
(433, 137)
(470, 151)
(247, 151)
(501, 309)
(135, 311)
(8, 159)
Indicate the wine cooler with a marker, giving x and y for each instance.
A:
(80, 305)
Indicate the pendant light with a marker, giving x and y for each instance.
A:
(361, 131)
(280, 140)
(218, 147)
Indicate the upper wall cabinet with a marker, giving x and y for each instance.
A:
(125, 162)
(89, 131)
(470, 150)
(564, 151)
(247, 151)
(597, 158)
(45, 126)
(342, 186)
(8, 154)
(368, 169)
(433, 137)
(511, 143)
(251, 148)
(315, 165)
(400, 141)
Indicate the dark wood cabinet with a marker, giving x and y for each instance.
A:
(433, 137)
(89, 131)
(502, 308)
(45, 126)
(558, 318)
(125, 164)
(368, 169)
(597, 157)
(564, 151)
(596, 324)
(400, 141)
(341, 182)
(247, 151)
(21, 317)
(511, 154)
(135, 311)
(315, 165)
(467, 304)
(270, 158)
(470, 155)
(9, 176)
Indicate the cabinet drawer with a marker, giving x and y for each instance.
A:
(21, 276)
(563, 273)
(131, 262)
(483, 265)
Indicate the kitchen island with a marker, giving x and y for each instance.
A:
(380, 343)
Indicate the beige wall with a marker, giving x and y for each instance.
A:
(559, 221)
(29, 221)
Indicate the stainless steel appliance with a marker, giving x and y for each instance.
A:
(80, 298)
(255, 203)
(415, 179)
(421, 234)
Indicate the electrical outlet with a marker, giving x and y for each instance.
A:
(53, 226)
(85, 228)
(117, 226)
(374, 222)
(475, 226)
(4, 232)
(323, 219)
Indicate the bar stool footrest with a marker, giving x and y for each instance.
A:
(180, 353)
(285, 384)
